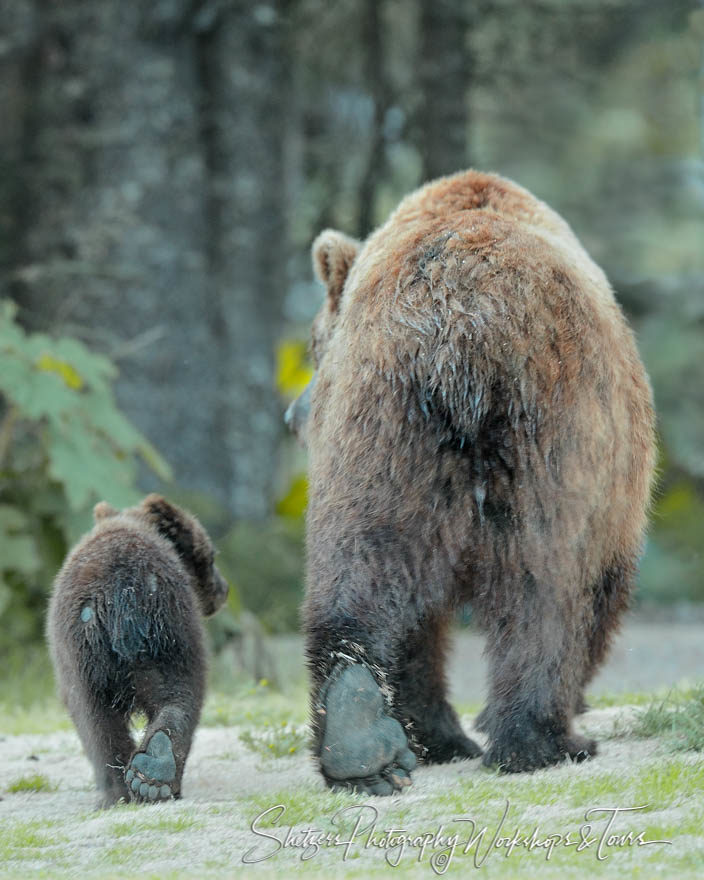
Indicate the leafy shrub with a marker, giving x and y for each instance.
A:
(63, 446)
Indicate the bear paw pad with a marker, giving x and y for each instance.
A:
(363, 749)
(149, 772)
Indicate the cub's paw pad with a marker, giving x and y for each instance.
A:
(150, 772)
(363, 749)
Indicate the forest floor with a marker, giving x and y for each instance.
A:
(253, 804)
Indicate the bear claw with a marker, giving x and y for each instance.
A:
(516, 756)
(363, 749)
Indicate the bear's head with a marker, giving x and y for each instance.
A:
(189, 538)
(333, 255)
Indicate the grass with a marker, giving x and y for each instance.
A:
(210, 838)
(653, 760)
(276, 741)
(35, 782)
(300, 806)
(142, 821)
(679, 717)
(258, 704)
(24, 841)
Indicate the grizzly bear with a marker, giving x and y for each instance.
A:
(480, 430)
(125, 635)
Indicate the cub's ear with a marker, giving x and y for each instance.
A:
(171, 522)
(333, 255)
(103, 510)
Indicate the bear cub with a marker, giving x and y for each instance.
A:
(125, 634)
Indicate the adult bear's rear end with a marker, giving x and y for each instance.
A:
(481, 428)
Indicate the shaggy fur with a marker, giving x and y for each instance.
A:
(125, 634)
(481, 429)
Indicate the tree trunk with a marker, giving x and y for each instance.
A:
(445, 72)
(375, 76)
(151, 222)
(244, 64)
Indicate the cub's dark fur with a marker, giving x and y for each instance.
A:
(125, 634)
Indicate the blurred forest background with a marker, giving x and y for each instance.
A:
(164, 168)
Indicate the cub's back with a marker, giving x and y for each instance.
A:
(121, 600)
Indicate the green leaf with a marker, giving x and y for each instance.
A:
(89, 469)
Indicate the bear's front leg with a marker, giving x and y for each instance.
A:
(361, 747)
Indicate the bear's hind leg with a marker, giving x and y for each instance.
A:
(359, 740)
(537, 656)
(421, 698)
(362, 748)
(155, 770)
(610, 600)
(104, 733)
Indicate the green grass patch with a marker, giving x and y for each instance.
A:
(46, 716)
(35, 782)
(301, 806)
(660, 785)
(679, 718)
(277, 740)
(165, 824)
(631, 698)
(21, 840)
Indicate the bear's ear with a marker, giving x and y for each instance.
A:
(172, 523)
(103, 510)
(333, 255)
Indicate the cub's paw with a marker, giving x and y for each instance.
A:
(362, 749)
(518, 754)
(150, 775)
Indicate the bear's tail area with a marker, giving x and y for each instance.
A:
(130, 622)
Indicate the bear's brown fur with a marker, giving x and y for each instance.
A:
(481, 429)
(125, 635)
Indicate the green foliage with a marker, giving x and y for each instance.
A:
(63, 446)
